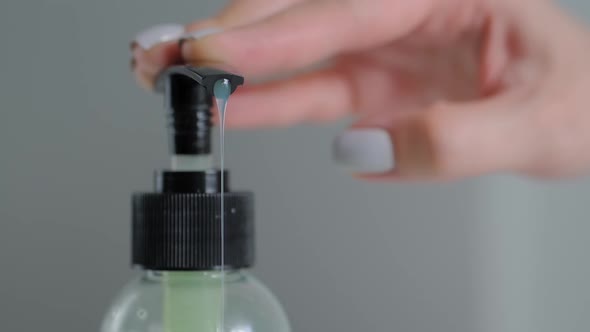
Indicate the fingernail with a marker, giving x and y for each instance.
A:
(132, 45)
(159, 34)
(364, 150)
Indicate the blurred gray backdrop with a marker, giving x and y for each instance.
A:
(77, 137)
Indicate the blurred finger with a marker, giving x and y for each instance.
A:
(318, 96)
(156, 48)
(447, 141)
(148, 64)
(240, 12)
(306, 33)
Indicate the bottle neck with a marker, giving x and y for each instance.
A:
(195, 276)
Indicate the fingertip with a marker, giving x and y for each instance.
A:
(205, 49)
(149, 63)
(157, 34)
(144, 80)
(163, 55)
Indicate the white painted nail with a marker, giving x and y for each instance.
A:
(200, 33)
(364, 150)
(159, 34)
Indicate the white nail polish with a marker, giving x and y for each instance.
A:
(200, 33)
(159, 34)
(364, 150)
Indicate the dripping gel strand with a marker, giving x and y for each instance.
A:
(222, 91)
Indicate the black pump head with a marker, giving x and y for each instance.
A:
(205, 77)
(189, 96)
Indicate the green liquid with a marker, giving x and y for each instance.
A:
(192, 302)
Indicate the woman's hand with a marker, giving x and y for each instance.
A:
(442, 89)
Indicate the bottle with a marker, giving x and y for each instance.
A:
(185, 285)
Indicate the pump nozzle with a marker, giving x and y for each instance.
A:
(188, 92)
(205, 77)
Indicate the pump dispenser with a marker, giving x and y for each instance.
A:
(189, 281)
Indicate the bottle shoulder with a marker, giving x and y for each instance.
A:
(148, 298)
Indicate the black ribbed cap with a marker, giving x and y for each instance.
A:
(179, 227)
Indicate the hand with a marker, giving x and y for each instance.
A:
(442, 89)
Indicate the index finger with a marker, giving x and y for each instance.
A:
(149, 62)
(307, 33)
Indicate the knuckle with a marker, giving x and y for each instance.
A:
(424, 145)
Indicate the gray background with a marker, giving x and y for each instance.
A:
(77, 137)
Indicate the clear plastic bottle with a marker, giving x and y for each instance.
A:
(249, 305)
(195, 251)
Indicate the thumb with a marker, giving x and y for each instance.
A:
(446, 141)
